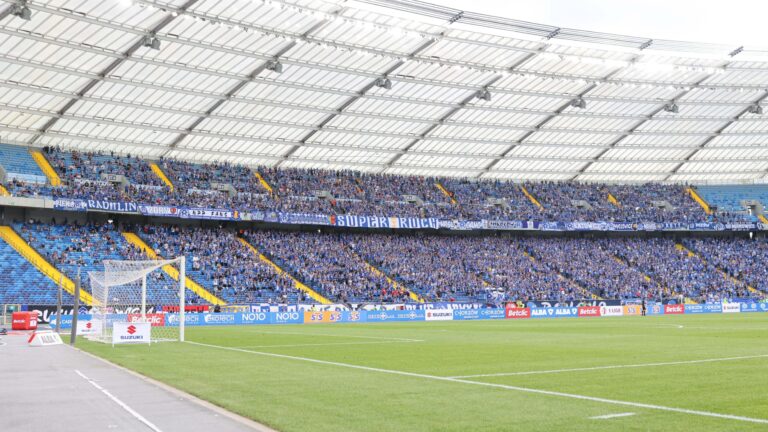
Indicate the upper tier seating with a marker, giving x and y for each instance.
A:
(18, 164)
(22, 283)
(294, 190)
(730, 197)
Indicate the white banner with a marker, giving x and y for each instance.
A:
(88, 327)
(731, 308)
(439, 314)
(125, 332)
(611, 311)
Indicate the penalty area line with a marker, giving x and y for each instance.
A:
(493, 385)
(593, 368)
(330, 344)
(610, 416)
(122, 404)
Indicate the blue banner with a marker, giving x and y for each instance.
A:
(754, 307)
(555, 312)
(396, 315)
(703, 308)
(304, 219)
(294, 317)
(477, 314)
(354, 221)
(95, 205)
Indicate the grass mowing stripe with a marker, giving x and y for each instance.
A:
(493, 385)
(639, 365)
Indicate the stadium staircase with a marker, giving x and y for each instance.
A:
(378, 272)
(647, 278)
(696, 197)
(447, 193)
(4, 191)
(263, 182)
(46, 167)
(298, 284)
(531, 198)
(30, 254)
(172, 271)
(612, 199)
(725, 275)
(161, 175)
(763, 219)
(585, 291)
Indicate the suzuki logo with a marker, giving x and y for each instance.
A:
(89, 325)
(131, 329)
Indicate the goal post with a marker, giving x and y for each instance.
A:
(139, 291)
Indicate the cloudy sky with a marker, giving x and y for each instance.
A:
(738, 22)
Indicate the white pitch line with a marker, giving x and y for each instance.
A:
(639, 365)
(340, 336)
(331, 344)
(610, 416)
(122, 404)
(493, 385)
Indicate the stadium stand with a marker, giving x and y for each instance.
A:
(71, 246)
(223, 265)
(22, 283)
(18, 164)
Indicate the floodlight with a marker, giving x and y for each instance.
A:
(672, 108)
(579, 103)
(755, 109)
(483, 95)
(384, 83)
(275, 66)
(21, 10)
(151, 41)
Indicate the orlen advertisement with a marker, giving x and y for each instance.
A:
(674, 309)
(589, 311)
(518, 313)
(554, 312)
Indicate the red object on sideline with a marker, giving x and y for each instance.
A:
(24, 321)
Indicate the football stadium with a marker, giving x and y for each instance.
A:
(378, 215)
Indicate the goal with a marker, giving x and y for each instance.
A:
(139, 291)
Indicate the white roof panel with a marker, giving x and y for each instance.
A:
(468, 95)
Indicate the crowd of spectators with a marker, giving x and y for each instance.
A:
(485, 269)
(675, 269)
(356, 268)
(327, 264)
(220, 263)
(743, 259)
(589, 264)
(349, 192)
(72, 247)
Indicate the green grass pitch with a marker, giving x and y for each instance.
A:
(704, 372)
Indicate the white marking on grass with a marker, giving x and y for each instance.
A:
(340, 336)
(493, 385)
(122, 404)
(610, 416)
(639, 365)
(331, 344)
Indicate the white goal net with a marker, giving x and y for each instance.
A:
(139, 291)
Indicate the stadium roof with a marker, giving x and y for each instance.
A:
(395, 86)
